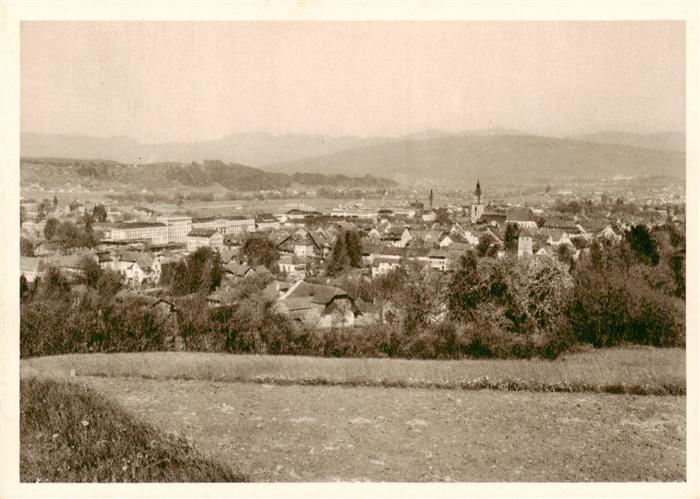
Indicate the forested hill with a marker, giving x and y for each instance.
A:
(102, 174)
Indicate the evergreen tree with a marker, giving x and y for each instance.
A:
(510, 240)
(353, 246)
(99, 213)
(91, 271)
(50, 228)
(338, 260)
(643, 244)
(487, 246)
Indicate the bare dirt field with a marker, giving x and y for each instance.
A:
(314, 419)
(327, 433)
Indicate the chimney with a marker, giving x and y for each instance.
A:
(431, 199)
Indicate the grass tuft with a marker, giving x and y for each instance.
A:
(71, 434)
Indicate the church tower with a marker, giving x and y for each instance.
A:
(476, 209)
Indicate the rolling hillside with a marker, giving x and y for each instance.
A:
(506, 158)
(210, 175)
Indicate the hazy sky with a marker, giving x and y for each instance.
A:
(159, 82)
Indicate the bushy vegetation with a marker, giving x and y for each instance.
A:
(70, 434)
(259, 250)
(629, 293)
(201, 271)
(612, 294)
(70, 235)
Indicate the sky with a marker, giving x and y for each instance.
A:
(182, 81)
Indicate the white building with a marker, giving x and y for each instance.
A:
(178, 227)
(154, 232)
(362, 213)
(228, 225)
(524, 245)
(292, 266)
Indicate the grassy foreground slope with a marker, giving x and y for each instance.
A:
(642, 371)
(70, 434)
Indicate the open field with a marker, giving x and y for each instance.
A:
(71, 434)
(328, 433)
(384, 420)
(635, 370)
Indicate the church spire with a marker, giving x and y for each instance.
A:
(477, 192)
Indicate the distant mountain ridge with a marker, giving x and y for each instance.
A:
(666, 141)
(504, 158)
(428, 154)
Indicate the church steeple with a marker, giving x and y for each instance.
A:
(476, 209)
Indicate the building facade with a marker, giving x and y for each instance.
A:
(154, 232)
(229, 225)
(205, 238)
(178, 227)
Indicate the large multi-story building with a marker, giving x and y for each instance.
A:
(363, 213)
(178, 227)
(229, 225)
(154, 232)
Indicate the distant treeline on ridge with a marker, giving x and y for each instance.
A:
(231, 176)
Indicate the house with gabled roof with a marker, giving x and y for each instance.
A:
(523, 217)
(205, 238)
(266, 221)
(439, 259)
(238, 271)
(611, 233)
(150, 265)
(132, 273)
(318, 305)
(494, 219)
(397, 235)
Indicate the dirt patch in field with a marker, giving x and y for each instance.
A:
(327, 433)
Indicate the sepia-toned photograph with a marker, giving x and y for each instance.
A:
(352, 251)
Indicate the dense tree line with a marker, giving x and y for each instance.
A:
(338, 180)
(69, 234)
(200, 272)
